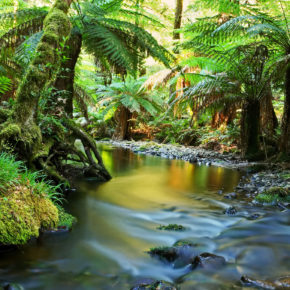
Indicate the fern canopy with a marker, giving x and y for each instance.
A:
(129, 94)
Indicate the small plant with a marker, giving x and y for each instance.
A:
(13, 173)
(274, 195)
(5, 85)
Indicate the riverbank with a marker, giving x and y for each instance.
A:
(29, 204)
(187, 153)
(264, 183)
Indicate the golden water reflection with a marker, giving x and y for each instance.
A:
(144, 182)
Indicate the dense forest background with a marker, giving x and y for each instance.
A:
(203, 73)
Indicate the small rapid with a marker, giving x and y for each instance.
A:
(118, 224)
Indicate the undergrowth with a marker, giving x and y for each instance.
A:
(14, 173)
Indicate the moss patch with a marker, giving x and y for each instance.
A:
(274, 195)
(164, 253)
(172, 227)
(66, 220)
(23, 214)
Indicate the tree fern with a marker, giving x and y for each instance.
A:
(130, 94)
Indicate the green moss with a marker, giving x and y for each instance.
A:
(4, 114)
(66, 219)
(164, 253)
(59, 20)
(46, 54)
(172, 227)
(274, 195)
(61, 5)
(10, 130)
(183, 243)
(50, 38)
(23, 214)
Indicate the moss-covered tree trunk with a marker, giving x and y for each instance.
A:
(21, 128)
(64, 83)
(60, 105)
(285, 139)
(250, 129)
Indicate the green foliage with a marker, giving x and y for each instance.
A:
(176, 131)
(129, 94)
(66, 220)
(13, 173)
(5, 84)
(274, 195)
(120, 43)
(9, 171)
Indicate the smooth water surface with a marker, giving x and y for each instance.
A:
(118, 220)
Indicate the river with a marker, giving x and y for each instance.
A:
(117, 225)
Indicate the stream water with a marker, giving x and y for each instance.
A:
(118, 220)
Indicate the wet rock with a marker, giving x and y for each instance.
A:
(168, 254)
(283, 282)
(193, 160)
(254, 216)
(280, 283)
(12, 286)
(231, 211)
(155, 285)
(208, 261)
(231, 195)
(179, 255)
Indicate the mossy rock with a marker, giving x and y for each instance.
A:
(164, 253)
(172, 227)
(274, 195)
(23, 214)
(66, 220)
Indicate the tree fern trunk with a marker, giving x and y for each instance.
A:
(122, 132)
(269, 121)
(64, 83)
(45, 64)
(250, 129)
(178, 18)
(22, 126)
(285, 138)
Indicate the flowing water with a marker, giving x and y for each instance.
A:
(118, 220)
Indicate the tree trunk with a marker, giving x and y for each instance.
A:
(269, 121)
(285, 138)
(122, 132)
(22, 126)
(178, 19)
(250, 129)
(64, 83)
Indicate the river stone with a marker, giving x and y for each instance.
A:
(280, 283)
(254, 216)
(231, 195)
(208, 261)
(12, 286)
(230, 211)
(179, 256)
(283, 282)
(146, 284)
